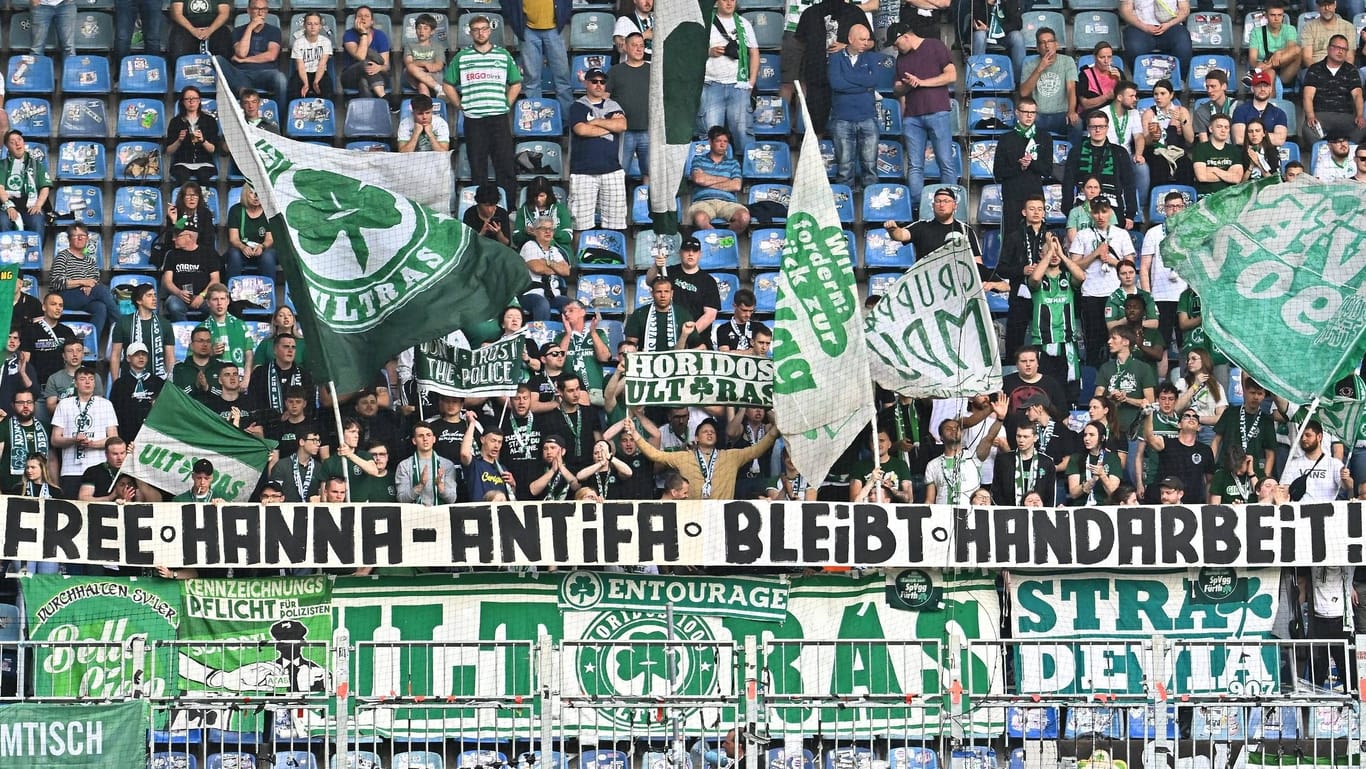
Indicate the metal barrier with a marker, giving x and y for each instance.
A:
(655, 702)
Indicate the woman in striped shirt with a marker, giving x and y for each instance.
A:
(76, 276)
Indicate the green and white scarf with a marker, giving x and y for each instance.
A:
(18, 442)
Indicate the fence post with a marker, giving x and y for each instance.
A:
(545, 660)
(341, 674)
(752, 712)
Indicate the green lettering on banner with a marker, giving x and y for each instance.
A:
(67, 736)
(1086, 634)
(626, 653)
(107, 633)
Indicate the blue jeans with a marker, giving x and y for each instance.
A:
(540, 46)
(538, 306)
(65, 14)
(100, 303)
(126, 14)
(855, 150)
(176, 310)
(266, 79)
(1014, 45)
(1175, 42)
(724, 104)
(235, 261)
(1055, 123)
(27, 222)
(636, 143)
(1142, 183)
(938, 129)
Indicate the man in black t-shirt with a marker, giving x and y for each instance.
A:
(41, 341)
(186, 271)
(695, 289)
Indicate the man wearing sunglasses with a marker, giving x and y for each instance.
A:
(597, 183)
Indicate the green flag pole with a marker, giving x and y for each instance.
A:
(1304, 423)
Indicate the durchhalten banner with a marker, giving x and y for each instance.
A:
(698, 378)
(692, 533)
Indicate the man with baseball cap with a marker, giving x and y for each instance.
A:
(1170, 490)
(694, 288)
(597, 183)
(201, 478)
(1259, 107)
(556, 481)
(135, 390)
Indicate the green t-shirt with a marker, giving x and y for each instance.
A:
(369, 488)
(894, 467)
(1167, 429)
(126, 334)
(1224, 485)
(1223, 159)
(265, 351)
(332, 468)
(1256, 433)
(1079, 466)
(186, 372)
(660, 339)
(482, 80)
(1194, 338)
(251, 230)
(1130, 377)
(1050, 90)
(1054, 319)
(1266, 42)
(1114, 306)
(580, 359)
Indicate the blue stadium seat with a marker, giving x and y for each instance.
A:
(989, 73)
(94, 31)
(138, 206)
(603, 292)
(352, 759)
(297, 759)
(230, 760)
(185, 760)
(989, 205)
(881, 252)
(990, 115)
(727, 283)
(95, 246)
(81, 162)
(991, 248)
(84, 117)
(1292, 115)
(83, 203)
(141, 118)
(30, 115)
(1095, 26)
(85, 331)
(611, 241)
(1093, 5)
(844, 203)
(425, 759)
(1202, 63)
(311, 119)
(1036, 20)
(842, 757)
(1210, 31)
(770, 116)
(368, 118)
(904, 757)
(143, 73)
(770, 192)
(932, 170)
(1156, 214)
(879, 283)
(882, 202)
(769, 78)
(884, 67)
(768, 29)
(195, 69)
(132, 250)
(642, 295)
(720, 250)
(1054, 213)
(465, 199)
(123, 284)
(891, 160)
(257, 291)
(537, 117)
(362, 145)
(138, 161)
(20, 247)
(592, 31)
(1152, 67)
(768, 160)
(30, 75)
(828, 157)
(889, 118)
(766, 292)
(539, 158)
(86, 74)
(581, 63)
(766, 248)
(1289, 152)
(981, 159)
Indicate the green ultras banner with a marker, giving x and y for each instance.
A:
(66, 736)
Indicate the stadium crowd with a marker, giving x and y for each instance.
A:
(1112, 392)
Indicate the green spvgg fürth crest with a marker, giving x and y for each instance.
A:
(363, 251)
(633, 657)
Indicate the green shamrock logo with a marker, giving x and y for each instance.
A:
(701, 387)
(335, 206)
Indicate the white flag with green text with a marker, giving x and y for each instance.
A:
(822, 388)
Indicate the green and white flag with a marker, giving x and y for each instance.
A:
(1281, 274)
(9, 275)
(179, 431)
(678, 61)
(494, 369)
(932, 334)
(38, 735)
(1343, 413)
(372, 264)
(822, 388)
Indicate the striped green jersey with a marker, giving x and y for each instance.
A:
(482, 80)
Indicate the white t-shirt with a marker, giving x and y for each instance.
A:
(1323, 479)
(311, 52)
(964, 478)
(1167, 286)
(531, 251)
(1101, 278)
(100, 416)
(723, 69)
(440, 127)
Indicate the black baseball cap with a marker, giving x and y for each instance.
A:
(202, 467)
